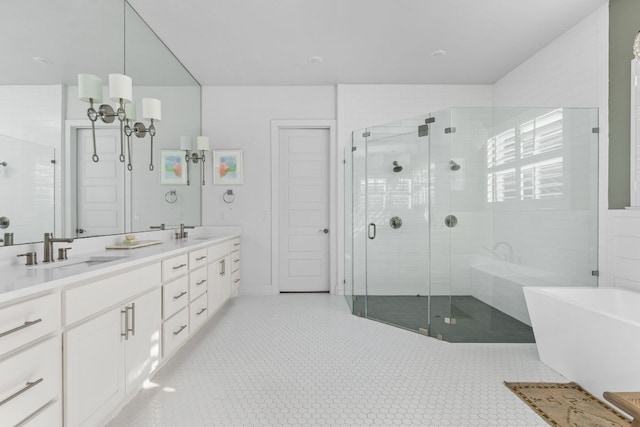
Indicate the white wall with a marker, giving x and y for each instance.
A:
(30, 117)
(572, 71)
(624, 241)
(240, 118)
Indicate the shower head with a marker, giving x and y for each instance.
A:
(453, 165)
(396, 166)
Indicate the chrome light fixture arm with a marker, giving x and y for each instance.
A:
(140, 131)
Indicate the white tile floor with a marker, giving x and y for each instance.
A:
(294, 360)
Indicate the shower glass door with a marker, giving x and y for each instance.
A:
(396, 192)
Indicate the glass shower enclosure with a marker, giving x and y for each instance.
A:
(449, 215)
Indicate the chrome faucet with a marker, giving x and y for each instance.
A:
(182, 234)
(49, 240)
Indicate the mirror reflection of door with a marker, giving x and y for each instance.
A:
(99, 186)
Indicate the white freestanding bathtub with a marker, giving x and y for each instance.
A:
(589, 335)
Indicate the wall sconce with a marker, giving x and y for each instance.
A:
(151, 110)
(202, 145)
(120, 91)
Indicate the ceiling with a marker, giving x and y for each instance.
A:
(269, 42)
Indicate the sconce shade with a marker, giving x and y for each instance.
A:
(130, 111)
(151, 108)
(202, 143)
(185, 143)
(89, 86)
(636, 46)
(120, 87)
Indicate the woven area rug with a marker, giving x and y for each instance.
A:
(567, 405)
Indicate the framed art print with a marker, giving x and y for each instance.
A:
(173, 167)
(227, 167)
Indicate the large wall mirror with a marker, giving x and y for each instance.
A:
(48, 181)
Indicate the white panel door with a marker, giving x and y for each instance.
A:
(100, 186)
(304, 210)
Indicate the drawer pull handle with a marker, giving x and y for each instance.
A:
(180, 295)
(201, 282)
(201, 311)
(200, 258)
(26, 325)
(182, 328)
(28, 386)
(236, 281)
(236, 260)
(236, 244)
(178, 267)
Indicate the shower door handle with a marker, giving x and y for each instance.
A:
(371, 232)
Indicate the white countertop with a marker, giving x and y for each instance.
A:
(18, 281)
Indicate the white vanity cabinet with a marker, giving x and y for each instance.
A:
(235, 267)
(30, 384)
(219, 269)
(185, 284)
(112, 342)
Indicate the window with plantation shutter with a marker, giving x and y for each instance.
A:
(525, 163)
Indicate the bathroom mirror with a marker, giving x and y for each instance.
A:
(49, 183)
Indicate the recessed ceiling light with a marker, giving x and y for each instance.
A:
(439, 53)
(42, 60)
(315, 59)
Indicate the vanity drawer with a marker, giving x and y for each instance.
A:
(197, 283)
(218, 251)
(51, 416)
(197, 258)
(175, 331)
(197, 313)
(175, 295)
(174, 267)
(235, 244)
(29, 380)
(235, 260)
(235, 282)
(27, 321)
(92, 298)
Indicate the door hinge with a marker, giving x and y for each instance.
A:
(366, 134)
(430, 120)
(423, 130)
(353, 149)
(450, 130)
(53, 162)
(450, 320)
(423, 331)
(595, 273)
(595, 130)
(344, 161)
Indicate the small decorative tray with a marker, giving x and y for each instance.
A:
(133, 244)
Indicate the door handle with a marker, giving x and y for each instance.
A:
(371, 232)
(324, 230)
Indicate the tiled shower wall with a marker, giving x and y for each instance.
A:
(30, 129)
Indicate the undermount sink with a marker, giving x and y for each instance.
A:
(207, 237)
(82, 262)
